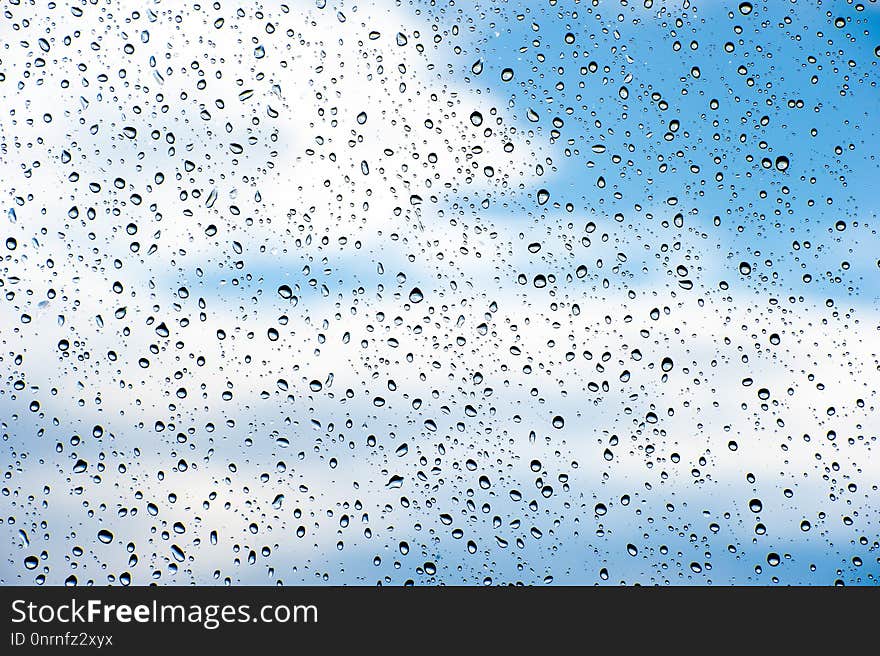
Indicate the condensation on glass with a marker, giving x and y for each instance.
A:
(435, 292)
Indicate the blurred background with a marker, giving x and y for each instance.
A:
(427, 293)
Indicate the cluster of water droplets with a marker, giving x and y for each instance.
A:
(435, 292)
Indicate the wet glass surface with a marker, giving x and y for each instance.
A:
(377, 292)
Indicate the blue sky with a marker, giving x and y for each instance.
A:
(775, 59)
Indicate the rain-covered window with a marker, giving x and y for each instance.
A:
(439, 292)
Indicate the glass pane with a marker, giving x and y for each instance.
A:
(436, 292)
